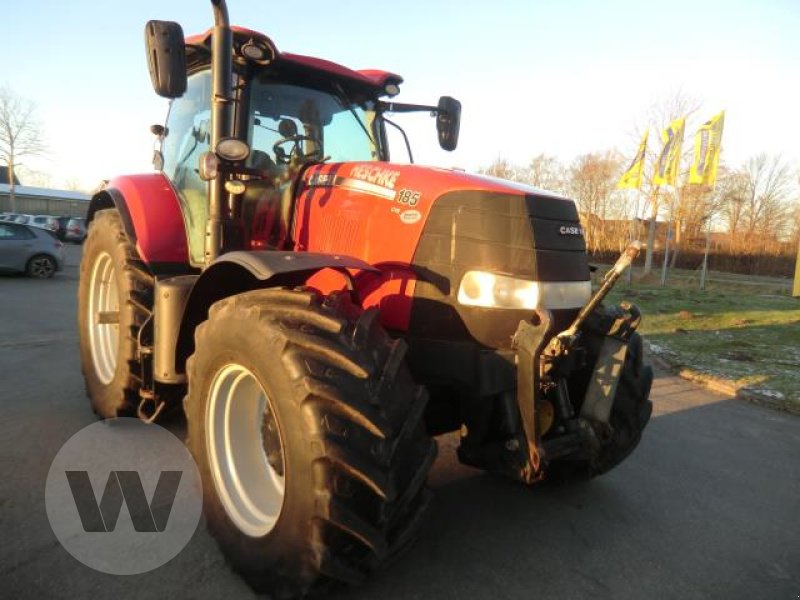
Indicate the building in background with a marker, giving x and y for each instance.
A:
(41, 201)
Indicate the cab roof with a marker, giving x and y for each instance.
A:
(198, 51)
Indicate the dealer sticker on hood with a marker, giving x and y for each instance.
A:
(409, 217)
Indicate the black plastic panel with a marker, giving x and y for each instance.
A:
(530, 237)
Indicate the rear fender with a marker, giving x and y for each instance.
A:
(151, 213)
(237, 272)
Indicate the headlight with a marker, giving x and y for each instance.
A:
(479, 288)
(232, 149)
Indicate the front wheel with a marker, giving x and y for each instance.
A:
(41, 267)
(630, 413)
(115, 296)
(307, 429)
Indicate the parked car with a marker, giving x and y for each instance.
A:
(47, 222)
(33, 250)
(22, 219)
(75, 230)
(62, 231)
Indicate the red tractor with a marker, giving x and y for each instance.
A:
(320, 313)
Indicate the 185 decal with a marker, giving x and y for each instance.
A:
(409, 197)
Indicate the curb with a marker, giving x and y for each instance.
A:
(725, 386)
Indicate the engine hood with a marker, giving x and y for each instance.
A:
(419, 184)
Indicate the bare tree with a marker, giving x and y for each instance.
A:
(74, 184)
(732, 187)
(592, 179)
(20, 134)
(503, 169)
(768, 188)
(36, 178)
(760, 206)
(546, 172)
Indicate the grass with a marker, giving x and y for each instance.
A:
(741, 329)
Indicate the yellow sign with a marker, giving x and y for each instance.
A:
(632, 177)
(668, 163)
(707, 143)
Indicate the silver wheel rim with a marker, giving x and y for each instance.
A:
(103, 337)
(42, 267)
(245, 451)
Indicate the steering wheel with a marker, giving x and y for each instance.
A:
(282, 157)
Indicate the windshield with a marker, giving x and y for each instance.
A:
(309, 122)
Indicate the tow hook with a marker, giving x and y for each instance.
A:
(149, 407)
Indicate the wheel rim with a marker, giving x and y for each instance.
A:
(42, 267)
(245, 451)
(103, 337)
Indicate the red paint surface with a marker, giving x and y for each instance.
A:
(338, 220)
(156, 216)
(369, 77)
(381, 78)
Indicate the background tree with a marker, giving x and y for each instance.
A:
(20, 134)
(547, 173)
(767, 212)
(503, 169)
(657, 117)
(592, 179)
(760, 208)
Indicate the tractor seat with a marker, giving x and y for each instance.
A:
(263, 162)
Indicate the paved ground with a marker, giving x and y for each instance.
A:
(708, 506)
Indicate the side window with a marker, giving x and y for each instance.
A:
(344, 138)
(188, 136)
(14, 232)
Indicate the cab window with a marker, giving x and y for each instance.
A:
(187, 138)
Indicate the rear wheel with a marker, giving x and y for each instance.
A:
(41, 267)
(114, 300)
(307, 429)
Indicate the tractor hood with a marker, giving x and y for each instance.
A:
(489, 223)
(415, 185)
(430, 227)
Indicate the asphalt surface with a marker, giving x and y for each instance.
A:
(707, 507)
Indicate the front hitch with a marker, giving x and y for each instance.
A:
(543, 370)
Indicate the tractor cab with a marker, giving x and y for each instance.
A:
(290, 111)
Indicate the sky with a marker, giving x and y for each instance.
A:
(558, 77)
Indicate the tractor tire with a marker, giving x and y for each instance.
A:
(308, 432)
(630, 414)
(115, 283)
(631, 411)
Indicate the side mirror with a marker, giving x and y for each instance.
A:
(448, 122)
(166, 57)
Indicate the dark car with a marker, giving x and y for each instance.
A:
(32, 250)
(62, 227)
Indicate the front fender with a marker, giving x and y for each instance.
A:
(151, 214)
(237, 272)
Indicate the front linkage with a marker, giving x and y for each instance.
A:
(587, 432)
